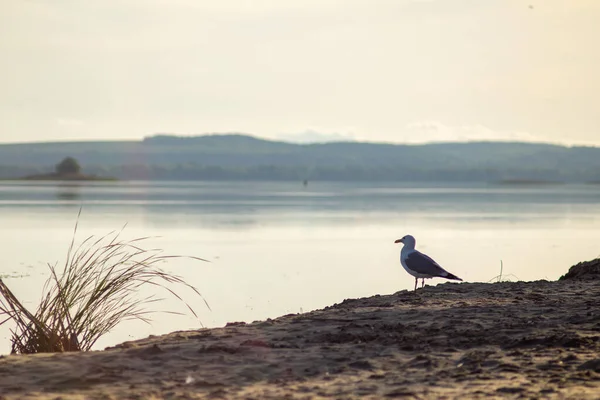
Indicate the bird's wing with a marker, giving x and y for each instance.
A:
(423, 264)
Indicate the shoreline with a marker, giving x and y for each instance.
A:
(66, 178)
(468, 340)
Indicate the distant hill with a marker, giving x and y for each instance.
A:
(235, 156)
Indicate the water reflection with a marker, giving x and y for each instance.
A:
(68, 191)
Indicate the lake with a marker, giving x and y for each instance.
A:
(277, 248)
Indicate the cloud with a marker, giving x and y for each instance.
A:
(316, 136)
(434, 131)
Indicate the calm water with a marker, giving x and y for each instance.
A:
(278, 248)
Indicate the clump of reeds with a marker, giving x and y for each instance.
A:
(97, 289)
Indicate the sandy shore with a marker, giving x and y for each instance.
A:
(454, 341)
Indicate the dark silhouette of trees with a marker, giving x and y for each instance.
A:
(68, 166)
(235, 157)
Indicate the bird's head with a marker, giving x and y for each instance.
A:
(408, 241)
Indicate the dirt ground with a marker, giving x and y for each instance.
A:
(454, 341)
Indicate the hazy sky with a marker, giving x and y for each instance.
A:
(376, 70)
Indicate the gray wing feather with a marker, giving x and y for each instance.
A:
(423, 264)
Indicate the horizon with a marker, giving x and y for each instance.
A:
(409, 71)
(300, 143)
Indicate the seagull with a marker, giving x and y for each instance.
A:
(420, 265)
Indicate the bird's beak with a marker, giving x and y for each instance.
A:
(399, 241)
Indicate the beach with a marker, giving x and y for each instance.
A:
(536, 339)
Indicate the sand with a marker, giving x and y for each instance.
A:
(454, 341)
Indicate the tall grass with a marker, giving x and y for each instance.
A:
(96, 290)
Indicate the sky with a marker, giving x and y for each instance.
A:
(399, 71)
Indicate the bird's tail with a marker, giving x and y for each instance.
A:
(452, 276)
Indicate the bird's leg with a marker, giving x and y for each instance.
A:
(416, 282)
(422, 283)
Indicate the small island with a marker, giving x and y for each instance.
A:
(68, 169)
